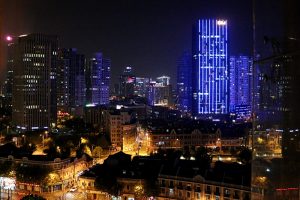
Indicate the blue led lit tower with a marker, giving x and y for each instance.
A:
(210, 67)
(240, 81)
(98, 73)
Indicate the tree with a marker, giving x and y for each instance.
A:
(5, 168)
(108, 183)
(186, 152)
(245, 155)
(31, 174)
(203, 157)
(97, 152)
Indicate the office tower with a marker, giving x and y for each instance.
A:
(159, 94)
(127, 82)
(98, 80)
(8, 84)
(70, 79)
(184, 82)
(210, 67)
(141, 85)
(34, 82)
(274, 90)
(164, 80)
(240, 81)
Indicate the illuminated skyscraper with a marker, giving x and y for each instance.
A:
(240, 81)
(8, 84)
(127, 82)
(70, 78)
(141, 85)
(34, 82)
(98, 80)
(164, 80)
(210, 67)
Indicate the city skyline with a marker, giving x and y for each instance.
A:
(150, 31)
(149, 99)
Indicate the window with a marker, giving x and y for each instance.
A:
(188, 195)
(208, 189)
(171, 184)
(180, 193)
(171, 192)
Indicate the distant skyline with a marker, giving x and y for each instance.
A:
(149, 35)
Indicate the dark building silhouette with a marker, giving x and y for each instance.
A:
(127, 82)
(70, 79)
(34, 82)
(184, 82)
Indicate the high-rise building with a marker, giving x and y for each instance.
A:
(210, 67)
(164, 80)
(127, 82)
(70, 78)
(34, 82)
(8, 84)
(98, 74)
(141, 85)
(159, 94)
(184, 82)
(274, 90)
(240, 81)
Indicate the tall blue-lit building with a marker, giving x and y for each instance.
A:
(184, 82)
(210, 67)
(98, 79)
(240, 81)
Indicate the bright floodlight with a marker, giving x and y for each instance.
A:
(8, 38)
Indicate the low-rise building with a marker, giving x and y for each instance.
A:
(197, 187)
(116, 122)
(62, 173)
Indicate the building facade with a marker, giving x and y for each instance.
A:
(70, 78)
(164, 80)
(240, 81)
(159, 94)
(34, 82)
(114, 120)
(210, 67)
(98, 75)
(175, 187)
(141, 86)
(184, 82)
(127, 82)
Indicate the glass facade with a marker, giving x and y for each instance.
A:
(184, 82)
(240, 81)
(99, 78)
(210, 67)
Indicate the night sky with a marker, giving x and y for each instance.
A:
(148, 35)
